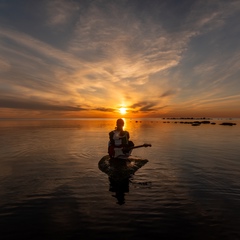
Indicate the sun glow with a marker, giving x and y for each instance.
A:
(122, 110)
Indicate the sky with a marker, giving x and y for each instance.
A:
(91, 58)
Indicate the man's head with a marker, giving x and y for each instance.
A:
(120, 123)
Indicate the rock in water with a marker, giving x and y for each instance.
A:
(120, 168)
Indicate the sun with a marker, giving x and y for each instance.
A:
(122, 110)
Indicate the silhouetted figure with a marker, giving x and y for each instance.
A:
(119, 143)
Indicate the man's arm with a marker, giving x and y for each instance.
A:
(111, 138)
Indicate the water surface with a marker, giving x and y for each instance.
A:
(51, 186)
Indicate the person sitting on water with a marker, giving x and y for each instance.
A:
(119, 143)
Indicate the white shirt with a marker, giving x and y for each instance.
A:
(117, 138)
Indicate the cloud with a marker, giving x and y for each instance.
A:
(168, 93)
(127, 49)
(61, 12)
(31, 46)
(4, 65)
(146, 106)
(102, 109)
(33, 105)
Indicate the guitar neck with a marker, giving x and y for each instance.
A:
(139, 146)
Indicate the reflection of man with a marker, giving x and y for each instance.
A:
(120, 187)
(119, 140)
(120, 173)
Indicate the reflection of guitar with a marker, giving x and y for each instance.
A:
(122, 151)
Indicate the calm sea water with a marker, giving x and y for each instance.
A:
(51, 186)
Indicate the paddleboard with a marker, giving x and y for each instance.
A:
(122, 167)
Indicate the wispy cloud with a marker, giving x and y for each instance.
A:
(127, 49)
(61, 12)
(146, 106)
(34, 105)
(102, 109)
(4, 65)
(168, 93)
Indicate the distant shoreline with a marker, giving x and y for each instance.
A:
(127, 118)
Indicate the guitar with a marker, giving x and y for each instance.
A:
(123, 151)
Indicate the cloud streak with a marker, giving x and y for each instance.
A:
(61, 12)
(34, 105)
